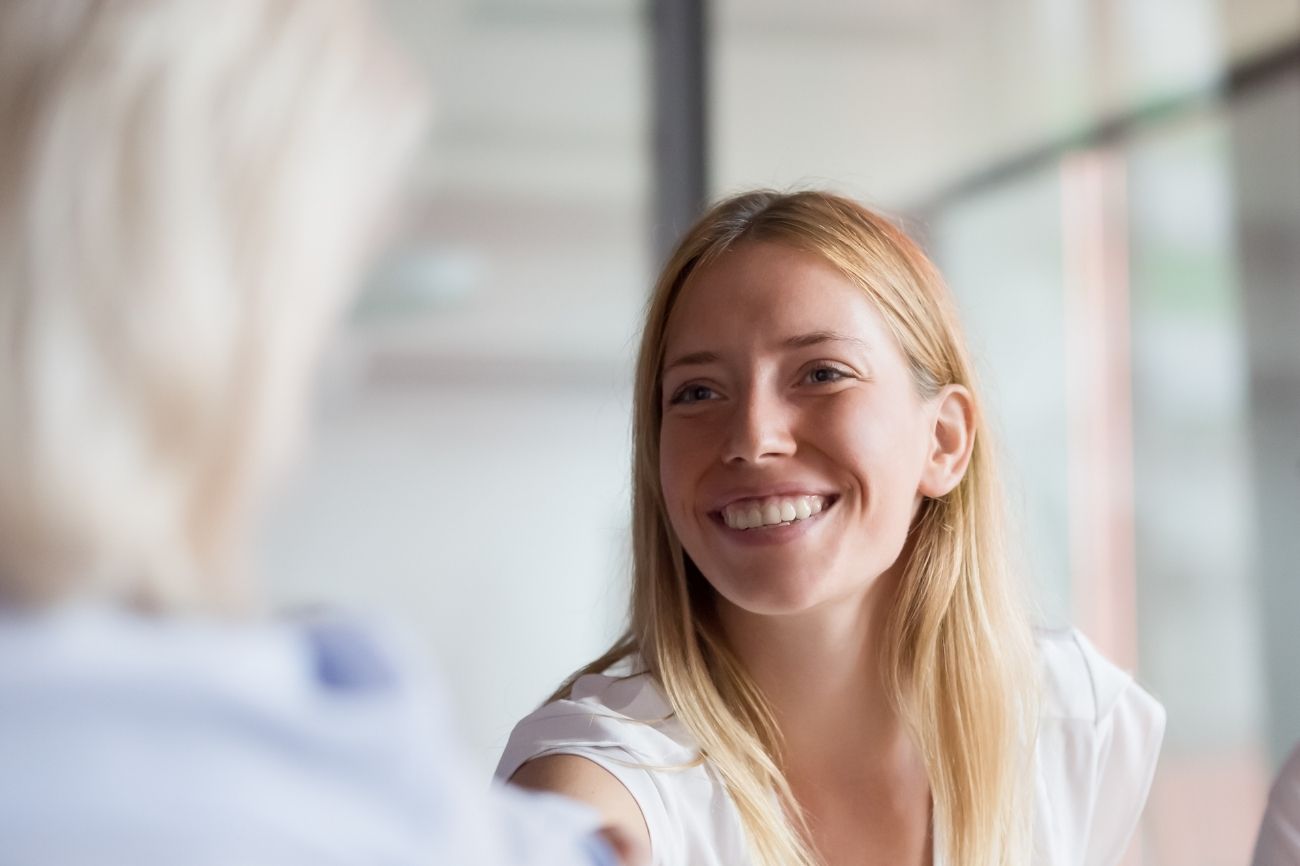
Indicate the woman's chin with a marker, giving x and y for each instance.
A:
(783, 596)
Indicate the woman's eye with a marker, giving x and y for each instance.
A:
(692, 394)
(826, 375)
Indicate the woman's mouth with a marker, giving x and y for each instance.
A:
(770, 511)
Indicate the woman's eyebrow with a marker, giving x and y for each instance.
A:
(799, 341)
(693, 359)
(814, 338)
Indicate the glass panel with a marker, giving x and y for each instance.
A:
(1002, 256)
(1197, 546)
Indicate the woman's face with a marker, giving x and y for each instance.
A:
(794, 445)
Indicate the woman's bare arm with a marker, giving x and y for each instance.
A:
(586, 781)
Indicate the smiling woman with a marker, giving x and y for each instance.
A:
(792, 415)
(828, 661)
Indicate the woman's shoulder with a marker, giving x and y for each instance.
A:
(1080, 684)
(299, 718)
(621, 720)
(1091, 704)
(621, 712)
(1098, 742)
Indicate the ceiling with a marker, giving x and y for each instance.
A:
(532, 207)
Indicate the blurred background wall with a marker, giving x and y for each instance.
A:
(1113, 190)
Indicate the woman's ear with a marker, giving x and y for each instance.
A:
(952, 440)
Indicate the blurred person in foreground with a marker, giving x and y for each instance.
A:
(1279, 834)
(188, 190)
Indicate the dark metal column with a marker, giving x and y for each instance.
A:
(680, 77)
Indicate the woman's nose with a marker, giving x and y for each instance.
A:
(760, 428)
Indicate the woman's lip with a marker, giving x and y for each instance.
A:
(758, 495)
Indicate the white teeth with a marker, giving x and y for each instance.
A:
(773, 511)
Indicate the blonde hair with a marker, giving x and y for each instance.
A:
(186, 191)
(957, 651)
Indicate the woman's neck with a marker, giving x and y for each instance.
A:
(859, 779)
(820, 672)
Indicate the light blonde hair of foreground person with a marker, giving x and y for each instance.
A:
(187, 188)
(958, 652)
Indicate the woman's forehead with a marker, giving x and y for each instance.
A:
(765, 293)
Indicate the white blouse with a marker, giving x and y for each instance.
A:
(1096, 754)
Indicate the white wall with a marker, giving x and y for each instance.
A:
(486, 508)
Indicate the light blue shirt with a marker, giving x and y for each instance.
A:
(143, 742)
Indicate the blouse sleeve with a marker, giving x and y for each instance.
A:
(625, 725)
(567, 728)
(1129, 738)
(1097, 748)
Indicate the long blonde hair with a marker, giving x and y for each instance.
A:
(957, 651)
(186, 190)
